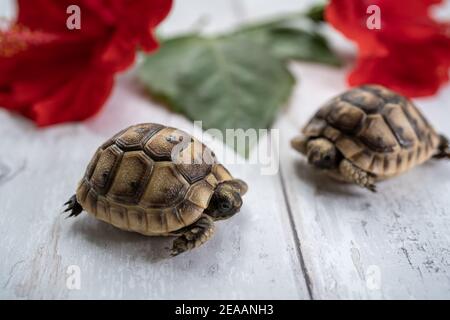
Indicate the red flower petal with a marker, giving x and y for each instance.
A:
(38, 71)
(411, 51)
(349, 17)
(69, 102)
(416, 76)
(69, 77)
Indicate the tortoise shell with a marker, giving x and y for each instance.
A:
(377, 129)
(137, 183)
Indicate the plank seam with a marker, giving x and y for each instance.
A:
(296, 238)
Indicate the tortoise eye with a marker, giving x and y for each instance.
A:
(225, 206)
(327, 158)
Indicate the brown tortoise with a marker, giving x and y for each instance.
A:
(367, 134)
(157, 180)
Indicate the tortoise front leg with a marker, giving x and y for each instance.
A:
(194, 235)
(352, 173)
(299, 143)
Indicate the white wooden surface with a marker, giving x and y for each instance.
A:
(298, 235)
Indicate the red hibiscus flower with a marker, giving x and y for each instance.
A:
(410, 53)
(51, 74)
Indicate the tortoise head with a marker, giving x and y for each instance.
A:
(226, 200)
(322, 153)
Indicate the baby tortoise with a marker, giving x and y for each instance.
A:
(369, 133)
(158, 181)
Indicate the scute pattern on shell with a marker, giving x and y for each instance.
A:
(133, 183)
(376, 128)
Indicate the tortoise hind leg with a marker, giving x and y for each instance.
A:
(352, 173)
(73, 206)
(194, 235)
(443, 151)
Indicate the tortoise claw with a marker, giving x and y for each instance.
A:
(372, 188)
(180, 245)
(73, 206)
(174, 252)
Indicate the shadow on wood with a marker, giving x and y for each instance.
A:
(322, 183)
(114, 240)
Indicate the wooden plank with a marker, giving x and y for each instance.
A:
(251, 256)
(355, 244)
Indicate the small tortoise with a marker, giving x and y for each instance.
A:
(369, 133)
(157, 180)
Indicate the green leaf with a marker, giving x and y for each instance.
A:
(317, 12)
(161, 71)
(292, 43)
(227, 82)
(296, 44)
